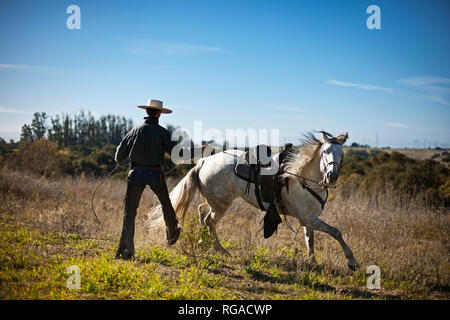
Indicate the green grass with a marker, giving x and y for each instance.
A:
(33, 265)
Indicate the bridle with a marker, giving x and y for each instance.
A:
(323, 187)
(326, 165)
(332, 162)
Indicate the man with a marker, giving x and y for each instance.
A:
(146, 145)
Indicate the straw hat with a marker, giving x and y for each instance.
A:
(155, 104)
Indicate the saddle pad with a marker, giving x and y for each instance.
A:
(244, 170)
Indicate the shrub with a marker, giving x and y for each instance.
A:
(363, 154)
(435, 156)
(425, 180)
(195, 240)
(444, 191)
(41, 157)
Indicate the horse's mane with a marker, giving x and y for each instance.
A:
(296, 161)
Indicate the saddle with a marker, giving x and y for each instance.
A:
(249, 167)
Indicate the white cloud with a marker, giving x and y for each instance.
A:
(9, 110)
(186, 49)
(431, 88)
(144, 47)
(397, 125)
(424, 81)
(29, 68)
(400, 125)
(434, 98)
(358, 85)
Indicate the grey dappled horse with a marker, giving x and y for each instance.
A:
(316, 163)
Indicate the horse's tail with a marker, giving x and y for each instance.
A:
(181, 196)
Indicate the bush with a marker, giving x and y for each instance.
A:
(425, 180)
(363, 154)
(435, 156)
(195, 240)
(40, 157)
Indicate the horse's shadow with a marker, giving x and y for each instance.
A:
(304, 274)
(295, 278)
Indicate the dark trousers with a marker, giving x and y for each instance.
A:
(137, 181)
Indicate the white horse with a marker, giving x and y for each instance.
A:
(316, 164)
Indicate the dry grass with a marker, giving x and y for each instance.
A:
(410, 244)
(418, 154)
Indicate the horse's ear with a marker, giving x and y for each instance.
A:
(344, 138)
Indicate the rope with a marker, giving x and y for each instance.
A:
(100, 184)
(176, 166)
(104, 180)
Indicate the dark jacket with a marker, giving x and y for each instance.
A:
(146, 144)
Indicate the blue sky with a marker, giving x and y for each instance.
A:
(287, 65)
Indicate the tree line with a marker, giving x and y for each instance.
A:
(80, 129)
(65, 144)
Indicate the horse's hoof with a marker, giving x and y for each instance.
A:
(222, 251)
(312, 259)
(353, 265)
(225, 253)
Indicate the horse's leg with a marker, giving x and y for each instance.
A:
(317, 224)
(203, 211)
(211, 220)
(309, 239)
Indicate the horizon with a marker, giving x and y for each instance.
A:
(295, 66)
(349, 143)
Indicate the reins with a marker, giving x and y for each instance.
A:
(301, 177)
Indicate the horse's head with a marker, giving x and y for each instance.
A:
(332, 155)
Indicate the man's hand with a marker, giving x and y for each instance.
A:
(208, 149)
(119, 163)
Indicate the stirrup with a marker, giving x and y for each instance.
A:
(271, 221)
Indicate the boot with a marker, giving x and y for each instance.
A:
(124, 254)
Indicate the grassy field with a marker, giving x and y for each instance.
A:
(47, 226)
(420, 154)
(417, 154)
